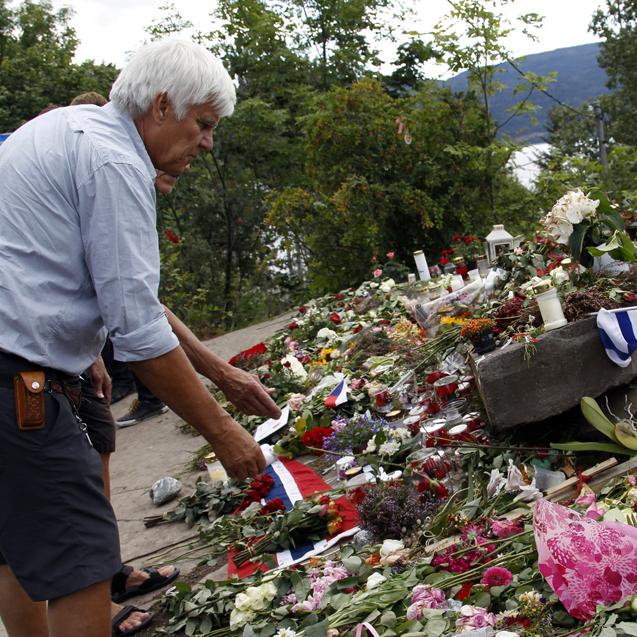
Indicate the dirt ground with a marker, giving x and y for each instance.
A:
(154, 449)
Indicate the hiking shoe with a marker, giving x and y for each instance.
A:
(141, 410)
(119, 391)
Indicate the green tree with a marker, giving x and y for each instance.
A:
(388, 174)
(37, 45)
(616, 23)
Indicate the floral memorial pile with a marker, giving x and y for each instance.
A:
(391, 503)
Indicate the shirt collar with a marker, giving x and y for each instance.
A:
(129, 125)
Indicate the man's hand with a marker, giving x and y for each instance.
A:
(100, 379)
(237, 450)
(247, 394)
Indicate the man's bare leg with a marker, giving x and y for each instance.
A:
(21, 616)
(86, 613)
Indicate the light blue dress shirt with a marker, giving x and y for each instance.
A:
(79, 252)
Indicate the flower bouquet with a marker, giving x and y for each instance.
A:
(480, 333)
(584, 223)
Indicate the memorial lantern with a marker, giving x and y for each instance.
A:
(498, 241)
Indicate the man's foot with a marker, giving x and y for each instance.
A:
(132, 619)
(130, 582)
(120, 391)
(141, 410)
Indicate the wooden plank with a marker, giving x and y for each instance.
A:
(562, 490)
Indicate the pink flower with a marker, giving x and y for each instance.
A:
(586, 499)
(496, 576)
(428, 595)
(391, 255)
(595, 512)
(632, 480)
(506, 528)
(474, 618)
(377, 272)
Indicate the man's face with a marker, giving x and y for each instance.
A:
(174, 144)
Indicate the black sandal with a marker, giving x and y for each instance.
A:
(119, 592)
(123, 615)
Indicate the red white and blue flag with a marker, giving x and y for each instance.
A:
(338, 396)
(294, 481)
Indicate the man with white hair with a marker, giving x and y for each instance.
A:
(79, 258)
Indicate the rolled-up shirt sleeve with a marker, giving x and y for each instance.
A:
(118, 226)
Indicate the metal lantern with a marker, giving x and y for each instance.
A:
(498, 241)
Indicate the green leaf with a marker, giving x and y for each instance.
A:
(576, 240)
(606, 447)
(436, 626)
(628, 628)
(352, 563)
(483, 600)
(596, 417)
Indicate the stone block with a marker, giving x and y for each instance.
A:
(569, 363)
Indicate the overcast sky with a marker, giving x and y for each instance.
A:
(108, 29)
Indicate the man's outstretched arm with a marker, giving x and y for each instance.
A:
(244, 390)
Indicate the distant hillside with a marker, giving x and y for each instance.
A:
(579, 77)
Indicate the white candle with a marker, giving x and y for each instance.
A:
(411, 278)
(457, 282)
(551, 309)
(421, 265)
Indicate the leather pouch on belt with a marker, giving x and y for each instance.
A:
(28, 388)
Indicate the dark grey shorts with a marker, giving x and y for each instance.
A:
(58, 532)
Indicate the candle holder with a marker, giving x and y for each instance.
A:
(445, 388)
(421, 265)
(550, 306)
(498, 241)
(482, 263)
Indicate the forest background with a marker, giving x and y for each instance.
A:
(328, 164)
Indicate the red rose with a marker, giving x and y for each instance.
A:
(335, 318)
(464, 591)
(444, 261)
(357, 496)
(338, 296)
(357, 329)
(302, 309)
(293, 325)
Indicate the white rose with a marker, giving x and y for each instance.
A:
(391, 546)
(295, 366)
(387, 285)
(238, 619)
(326, 333)
(242, 602)
(374, 580)
(389, 448)
(559, 275)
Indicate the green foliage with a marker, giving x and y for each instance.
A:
(616, 23)
(390, 174)
(37, 45)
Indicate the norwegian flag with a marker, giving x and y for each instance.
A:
(338, 395)
(294, 481)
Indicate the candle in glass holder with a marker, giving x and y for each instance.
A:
(457, 282)
(421, 265)
(550, 306)
(482, 264)
(473, 421)
(456, 433)
(445, 388)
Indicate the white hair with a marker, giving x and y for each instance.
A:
(187, 72)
